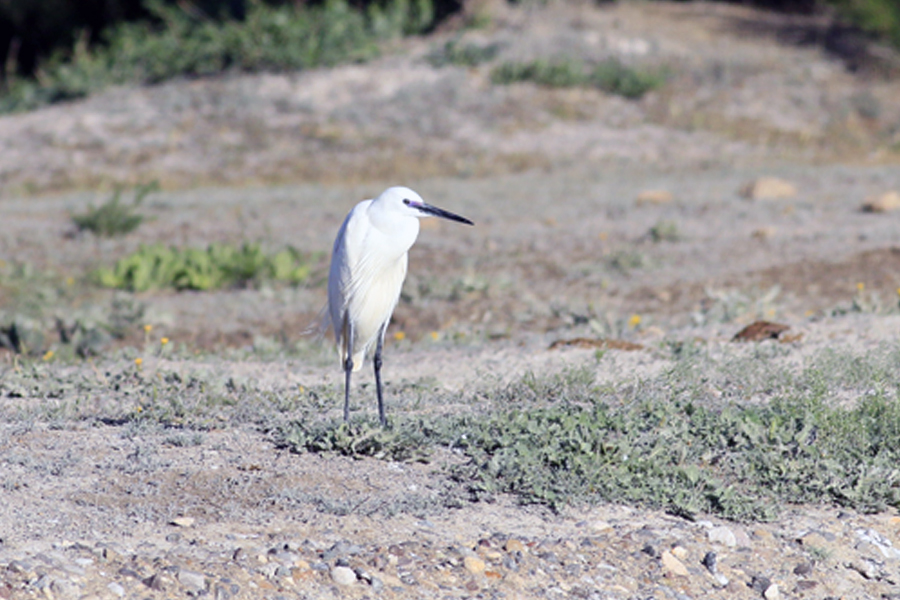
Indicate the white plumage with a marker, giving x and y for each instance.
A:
(368, 266)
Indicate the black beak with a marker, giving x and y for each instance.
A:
(434, 211)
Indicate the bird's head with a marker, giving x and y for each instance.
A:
(406, 202)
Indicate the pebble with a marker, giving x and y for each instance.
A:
(183, 522)
(772, 592)
(654, 197)
(474, 565)
(672, 564)
(343, 575)
(722, 535)
(116, 589)
(514, 545)
(769, 188)
(880, 203)
(191, 579)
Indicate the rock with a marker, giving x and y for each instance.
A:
(768, 188)
(182, 522)
(191, 579)
(710, 561)
(654, 197)
(722, 535)
(343, 575)
(514, 545)
(880, 203)
(772, 592)
(672, 564)
(474, 565)
(803, 569)
(600, 525)
(758, 331)
(155, 582)
(764, 233)
(679, 552)
(116, 589)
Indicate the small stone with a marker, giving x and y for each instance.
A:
(679, 552)
(880, 203)
(191, 579)
(722, 535)
(514, 545)
(343, 575)
(768, 188)
(654, 197)
(710, 561)
(474, 565)
(672, 564)
(760, 583)
(599, 526)
(182, 522)
(772, 592)
(116, 589)
(155, 582)
(803, 569)
(764, 233)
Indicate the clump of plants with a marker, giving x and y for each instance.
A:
(219, 265)
(612, 75)
(113, 218)
(182, 43)
(464, 55)
(662, 443)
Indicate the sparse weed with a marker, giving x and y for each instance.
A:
(219, 265)
(112, 218)
(665, 231)
(611, 76)
(777, 438)
(628, 260)
(727, 305)
(463, 55)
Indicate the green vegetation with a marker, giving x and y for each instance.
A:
(665, 231)
(666, 442)
(219, 265)
(878, 17)
(463, 55)
(113, 218)
(611, 76)
(280, 38)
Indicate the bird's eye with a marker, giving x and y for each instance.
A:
(406, 201)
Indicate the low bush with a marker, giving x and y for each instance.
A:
(219, 265)
(611, 76)
(181, 44)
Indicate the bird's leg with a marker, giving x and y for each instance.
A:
(348, 365)
(377, 362)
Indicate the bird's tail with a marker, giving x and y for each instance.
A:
(320, 326)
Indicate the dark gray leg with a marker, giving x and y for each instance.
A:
(377, 362)
(348, 366)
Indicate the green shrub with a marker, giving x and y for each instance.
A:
(467, 55)
(219, 265)
(878, 17)
(611, 76)
(281, 38)
(113, 218)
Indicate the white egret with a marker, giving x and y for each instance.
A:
(368, 266)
